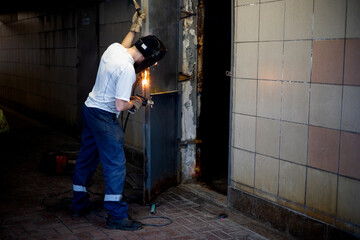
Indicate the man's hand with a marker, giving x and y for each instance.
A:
(137, 22)
(137, 103)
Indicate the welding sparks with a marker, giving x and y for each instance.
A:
(146, 78)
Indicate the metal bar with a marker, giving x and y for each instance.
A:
(231, 96)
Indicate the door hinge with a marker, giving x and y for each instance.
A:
(184, 143)
(185, 14)
(228, 73)
(184, 77)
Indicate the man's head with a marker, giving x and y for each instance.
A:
(152, 49)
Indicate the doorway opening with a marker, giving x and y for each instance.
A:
(213, 127)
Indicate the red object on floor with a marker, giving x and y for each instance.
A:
(60, 164)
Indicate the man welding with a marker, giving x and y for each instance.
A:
(102, 137)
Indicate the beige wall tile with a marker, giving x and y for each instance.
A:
(292, 182)
(246, 59)
(349, 162)
(295, 102)
(244, 132)
(245, 2)
(353, 19)
(348, 200)
(297, 61)
(298, 19)
(232, 150)
(245, 96)
(266, 174)
(351, 109)
(267, 136)
(328, 61)
(247, 23)
(321, 191)
(244, 165)
(325, 105)
(242, 187)
(269, 99)
(329, 18)
(270, 60)
(293, 143)
(320, 216)
(272, 21)
(352, 60)
(233, 129)
(323, 148)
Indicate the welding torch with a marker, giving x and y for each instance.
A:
(146, 101)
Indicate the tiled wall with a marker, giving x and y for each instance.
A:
(38, 58)
(296, 106)
(38, 62)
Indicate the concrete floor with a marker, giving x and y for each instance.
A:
(35, 204)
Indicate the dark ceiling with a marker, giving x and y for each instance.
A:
(14, 6)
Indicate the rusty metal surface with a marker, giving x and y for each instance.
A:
(200, 51)
(160, 186)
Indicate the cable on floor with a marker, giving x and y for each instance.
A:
(62, 204)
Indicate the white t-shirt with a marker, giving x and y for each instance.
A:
(115, 77)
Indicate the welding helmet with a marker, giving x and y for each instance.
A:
(152, 49)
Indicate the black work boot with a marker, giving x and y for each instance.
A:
(123, 224)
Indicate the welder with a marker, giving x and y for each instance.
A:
(102, 137)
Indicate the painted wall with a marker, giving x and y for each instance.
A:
(296, 106)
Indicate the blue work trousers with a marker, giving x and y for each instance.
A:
(102, 140)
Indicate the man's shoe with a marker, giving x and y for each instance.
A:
(123, 224)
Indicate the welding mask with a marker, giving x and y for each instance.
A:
(152, 49)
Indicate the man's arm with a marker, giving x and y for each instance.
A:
(127, 42)
(135, 28)
(134, 104)
(122, 105)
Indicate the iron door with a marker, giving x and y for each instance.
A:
(161, 163)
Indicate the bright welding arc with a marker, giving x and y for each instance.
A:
(145, 80)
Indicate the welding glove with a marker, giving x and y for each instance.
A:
(137, 22)
(137, 102)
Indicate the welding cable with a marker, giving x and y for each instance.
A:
(152, 211)
(121, 120)
(126, 120)
(65, 200)
(55, 207)
(123, 126)
(135, 85)
(170, 221)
